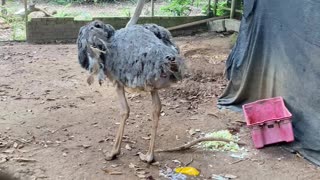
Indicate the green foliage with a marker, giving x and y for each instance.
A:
(19, 31)
(63, 12)
(220, 10)
(221, 5)
(16, 23)
(233, 38)
(126, 12)
(77, 15)
(178, 7)
(221, 146)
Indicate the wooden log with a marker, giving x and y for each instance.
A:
(195, 23)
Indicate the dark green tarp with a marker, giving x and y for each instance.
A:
(278, 54)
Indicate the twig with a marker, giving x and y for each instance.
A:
(18, 98)
(196, 141)
(240, 160)
(24, 160)
(187, 164)
(64, 127)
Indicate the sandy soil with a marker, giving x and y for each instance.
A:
(54, 126)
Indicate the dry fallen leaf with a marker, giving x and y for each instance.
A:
(115, 165)
(176, 161)
(230, 176)
(9, 151)
(86, 146)
(146, 138)
(155, 163)
(110, 172)
(3, 158)
(24, 160)
(131, 166)
(141, 176)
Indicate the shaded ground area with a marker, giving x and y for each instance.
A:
(54, 126)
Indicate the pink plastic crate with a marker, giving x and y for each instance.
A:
(269, 120)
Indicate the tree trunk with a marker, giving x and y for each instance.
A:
(3, 2)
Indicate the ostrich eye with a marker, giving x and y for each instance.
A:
(97, 25)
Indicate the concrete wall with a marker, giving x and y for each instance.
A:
(53, 30)
(224, 25)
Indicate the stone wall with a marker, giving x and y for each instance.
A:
(66, 29)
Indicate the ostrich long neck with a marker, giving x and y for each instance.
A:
(136, 14)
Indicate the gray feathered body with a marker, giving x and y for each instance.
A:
(139, 57)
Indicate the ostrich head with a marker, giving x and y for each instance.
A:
(93, 42)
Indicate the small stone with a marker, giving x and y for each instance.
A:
(128, 147)
(192, 132)
(64, 154)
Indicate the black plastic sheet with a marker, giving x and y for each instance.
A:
(278, 54)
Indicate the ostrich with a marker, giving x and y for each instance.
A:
(136, 58)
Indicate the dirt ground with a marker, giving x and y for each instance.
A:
(54, 126)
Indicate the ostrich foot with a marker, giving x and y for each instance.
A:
(146, 157)
(111, 156)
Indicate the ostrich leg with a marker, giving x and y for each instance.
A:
(156, 105)
(124, 113)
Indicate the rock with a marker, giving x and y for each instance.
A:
(192, 132)
(128, 147)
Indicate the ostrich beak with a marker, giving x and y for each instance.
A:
(97, 51)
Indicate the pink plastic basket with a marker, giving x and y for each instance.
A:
(269, 120)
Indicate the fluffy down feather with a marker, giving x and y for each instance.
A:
(140, 57)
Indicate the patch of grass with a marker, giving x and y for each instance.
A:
(17, 23)
(83, 16)
(77, 15)
(178, 7)
(126, 12)
(19, 31)
(233, 39)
